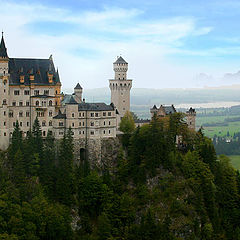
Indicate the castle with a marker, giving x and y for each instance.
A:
(31, 88)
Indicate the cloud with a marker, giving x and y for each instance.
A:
(85, 51)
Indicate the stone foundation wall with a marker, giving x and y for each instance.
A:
(100, 152)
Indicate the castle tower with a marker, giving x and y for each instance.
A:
(120, 88)
(191, 118)
(4, 97)
(78, 93)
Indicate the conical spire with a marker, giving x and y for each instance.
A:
(3, 49)
(120, 60)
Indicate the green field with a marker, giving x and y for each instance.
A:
(232, 127)
(235, 160)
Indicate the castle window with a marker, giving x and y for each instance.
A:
(14, 124)
(44, 123)
(50, 123)
(10, 114)
(46, 92)
(5, 133)
(109, 123)
(27, 103)
(60, 133)
(4, 102)
(14, 103)
(20, 124)
(50, 114)
(27, 92)
(82, 132)
(104, 114)
(83, 124)
(79, 132)
(109, 131)
(4, 82)
(60, 124)
(92, 124)
(96, 114)
(44, 133)
(4, 113)
(16, 92)
(50, 103)
(37, 103)
(92, 114)
(27, 124)
(104, 123)
(83, 114)
(27, 114)
(20, 104)
(20, 114)
(79, 114)
(72, 124)
(109, 114)
(73, 115)
(92, 132)
(36, 92)
(79, 124)
(4, 123)
(104, 132)
(44, 103)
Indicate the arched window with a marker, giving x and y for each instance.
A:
(50, 123)
(50, 103)
(50, 114)
(44, 123)
(37, 103)
(4, 101)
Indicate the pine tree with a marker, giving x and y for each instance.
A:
(65, 180)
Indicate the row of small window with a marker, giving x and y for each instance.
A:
(37, 103)
(44, 124)
(92, 114)
(27, 92)
(39, 114)
(91, 132)
(81, 124)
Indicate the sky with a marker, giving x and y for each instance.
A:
(167, 44)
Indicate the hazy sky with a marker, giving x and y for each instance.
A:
(167, 43)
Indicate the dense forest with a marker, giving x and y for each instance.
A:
(157, 190)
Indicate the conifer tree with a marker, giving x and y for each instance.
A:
(65, 180)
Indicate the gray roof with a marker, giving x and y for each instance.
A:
(120, 60)
(169, 109)
(68, 99)
(60, 115)
(142, 121)
(95, 107)
(37, 67)
(3, 49)
(78, 86)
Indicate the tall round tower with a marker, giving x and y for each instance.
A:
(120, 87)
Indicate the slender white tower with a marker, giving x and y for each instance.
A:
(120, 88)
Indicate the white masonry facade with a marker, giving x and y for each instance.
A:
(31, 88)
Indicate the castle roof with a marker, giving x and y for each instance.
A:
(120, 60)
(3, 49)
(60, 115)
(78, 86)
(169, 109)
(40, 68)
(95, 107)
(69, 99)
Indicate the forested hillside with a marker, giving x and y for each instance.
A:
(156, 190)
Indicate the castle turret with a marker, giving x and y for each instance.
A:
(78, 93)
(4, 97)
(191, 118)
(120, 87)
(3, 57)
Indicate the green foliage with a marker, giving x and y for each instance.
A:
(158, 189)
